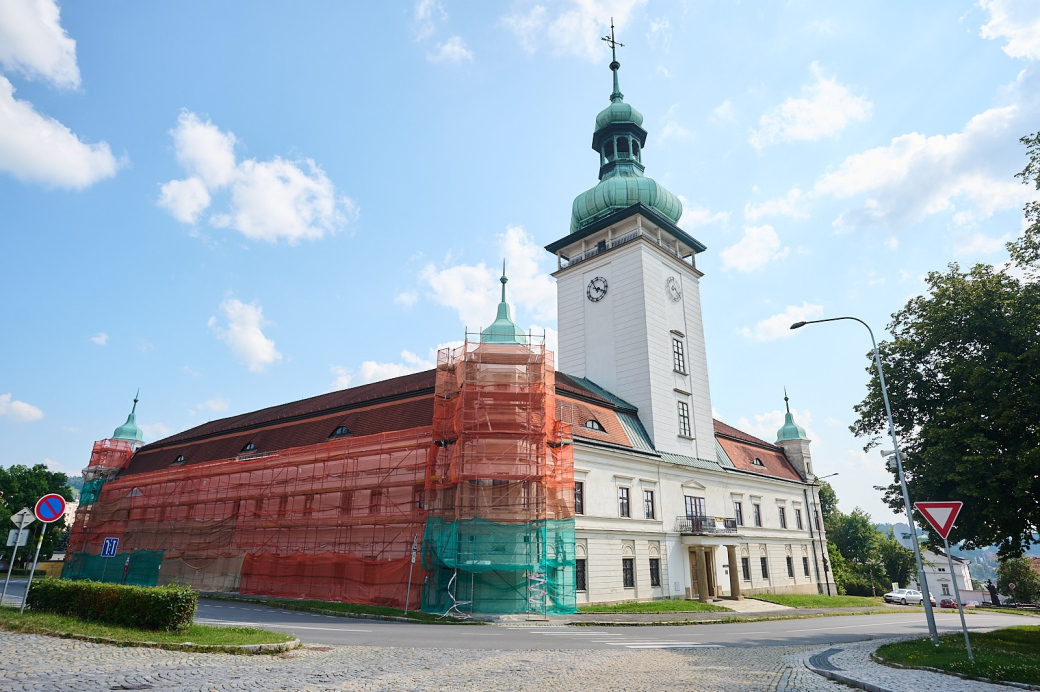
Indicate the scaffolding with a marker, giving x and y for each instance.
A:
(499, 537)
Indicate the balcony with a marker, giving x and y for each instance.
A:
(605, 245)
(706, 526)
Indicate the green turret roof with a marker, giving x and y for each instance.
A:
(791, 430)
(619, 138)
(129, 430)
(503, 330)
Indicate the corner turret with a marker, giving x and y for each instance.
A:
(793, 440)
(503, 330)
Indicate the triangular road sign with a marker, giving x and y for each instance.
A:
(940, 515)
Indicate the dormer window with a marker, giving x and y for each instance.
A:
(593, 424)
(341, 431)
(248, 448)
(757, 462)
(179, 461)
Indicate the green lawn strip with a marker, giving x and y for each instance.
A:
(347, 609)
(805, 600)
(670, 606)
(1009, 655)
(198, 635)
(727, 619)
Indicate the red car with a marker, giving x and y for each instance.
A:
(947, 602)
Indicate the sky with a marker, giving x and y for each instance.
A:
(233, 205)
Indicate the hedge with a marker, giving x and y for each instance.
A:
(164, 608)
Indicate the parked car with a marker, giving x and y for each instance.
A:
(906, 597)
(972, 604)
(896, 596)
(947, 602)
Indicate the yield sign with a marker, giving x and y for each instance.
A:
(940, 515)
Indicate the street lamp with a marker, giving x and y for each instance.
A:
(819, 532)
(927, 601)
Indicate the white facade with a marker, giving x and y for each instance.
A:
(940, 579)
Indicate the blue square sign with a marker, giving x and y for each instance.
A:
(110, 547)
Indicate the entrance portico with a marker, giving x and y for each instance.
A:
(703, 574)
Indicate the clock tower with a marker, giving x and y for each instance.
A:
(629, 309)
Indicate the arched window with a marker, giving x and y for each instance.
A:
(635, 149)
(593, 424)
(622, 147)
(248, 448)
(608, 149)
(757, 462)
(179, 461)
(341, 431)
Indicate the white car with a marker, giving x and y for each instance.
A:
(905, 597)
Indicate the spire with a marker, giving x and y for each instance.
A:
(503, 330)
(791, 430)
(129, 430)
(614, 64)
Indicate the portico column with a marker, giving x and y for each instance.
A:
(702, 577)
(734, 577)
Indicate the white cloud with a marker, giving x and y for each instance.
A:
(724, 112)
(101, 338)
(660, 32)
(791, 205)
(759, 246)
(56, 466)
(375, 371)
(826, 110)
(453, 50)
(38, 149)
(779, 326)
(154, 431)
(1016, 20)
(215, 405)
(407, 298)
(188, 370)
(474, 291)
(570, 28)
(33, 43)
(426, 15)
(672, 129)
(266, 200)
(892, 243)
(18, 410)
(244, 334)
(765, 425)
(980, 244)
(694, 215)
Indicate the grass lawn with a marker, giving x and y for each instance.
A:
(655, 607)
(805, 600)
(1011, 654)
(48, 623)
(348, 609)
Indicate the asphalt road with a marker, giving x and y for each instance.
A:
(323, 629)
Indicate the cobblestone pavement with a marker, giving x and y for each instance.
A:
(854, 661)
(32, 662)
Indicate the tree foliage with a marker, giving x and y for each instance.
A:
(963, 375)
(1019, 571)
(22, 486)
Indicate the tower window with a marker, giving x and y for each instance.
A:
(593, 424)
(678, 355)
(622, 146)
(635, 149)
(608, 150)
(684, 419)
(341, 431)
(248, 448)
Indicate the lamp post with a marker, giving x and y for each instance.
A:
(926, 600)
(819, 531)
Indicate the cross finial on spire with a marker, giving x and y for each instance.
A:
(786, 401)
(138, 394)
(614, 64)
(503, 280)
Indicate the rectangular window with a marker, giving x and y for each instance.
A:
(798, 519)
(757, 511)
(816, 519)
(622, 497)
(678, 356)
(946, 589)
(764, 562)
(738, 512)
(805, 566)
(648, 503)
(628, 572)
(695, 507)
(579, 497)
(745, 567)
(684, 419)
(580, 582)
(783, 517)
(655, 571)
(790, 567)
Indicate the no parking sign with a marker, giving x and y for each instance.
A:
(50, 508)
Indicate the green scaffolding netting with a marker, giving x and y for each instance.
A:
(89, 494)
(482, 566)
(142, 571)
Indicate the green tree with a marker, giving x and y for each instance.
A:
(856, 537)
(22, 486)
(828, 501)
(963, 374)
(898, 562)
(1018, 571)
(839, 567)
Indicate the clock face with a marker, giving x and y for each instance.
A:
(673, 288)
(597, 289)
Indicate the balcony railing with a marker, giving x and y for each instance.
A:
(700, 526)
(605, 245)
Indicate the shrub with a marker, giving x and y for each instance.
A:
(162, 608)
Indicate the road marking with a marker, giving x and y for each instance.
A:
(673, 646)
(846, 627)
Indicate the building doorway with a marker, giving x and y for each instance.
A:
(709, 571)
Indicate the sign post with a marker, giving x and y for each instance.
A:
(415, 548)
(21, 519)
(49, 509)
(941, 516)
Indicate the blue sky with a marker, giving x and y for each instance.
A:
(232, 205)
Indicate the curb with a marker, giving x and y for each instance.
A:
(277, 648)
(962, 676)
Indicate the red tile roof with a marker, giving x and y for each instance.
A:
(743, 449)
